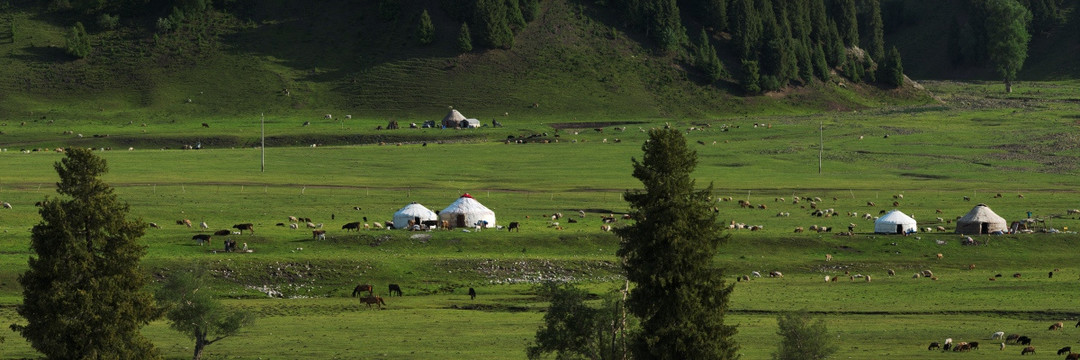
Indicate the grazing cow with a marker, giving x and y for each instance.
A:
(155, 225)
(1065, 350)
(204, 225)
(1012, 338)
(1077, 324)
(891, 272)
(827, 278)
(939, 256)
(514, 225)
(222, 232)
(828, 257)
(7, 205)
(245, 226)
(946, 347)
(374, 299)
(294, 226)
(472, 294)
(1027, 350)
(776, 274)
(395, 289)
(1072, 356)
(997, 335)
(974, 345)
(205, 125)
(311, 225)
(319, 234)
(351, 226)
(184, 222)
(362, 288)
(933, 345)
(201, 238)
(1016, 275)
(1056, 326)
(1024, 340)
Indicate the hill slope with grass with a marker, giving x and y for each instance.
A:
(574, 62)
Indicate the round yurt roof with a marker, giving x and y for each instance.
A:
(887, 223)
(411, 212)
(972, 223)
(454, 116)
(472, 211)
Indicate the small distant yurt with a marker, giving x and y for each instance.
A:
(415, 212)
(470, 124)
(981, 220)
(895, 222)
(452, 119)
(466, 212)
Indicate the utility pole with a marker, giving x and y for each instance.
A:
(262, 125)
(821, 145)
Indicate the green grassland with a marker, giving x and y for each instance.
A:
(977, 143)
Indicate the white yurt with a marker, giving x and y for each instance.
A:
(415, 212)
(981, 220)
(895, 222)
(452, 119)
(466, 212)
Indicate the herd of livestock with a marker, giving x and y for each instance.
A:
(1017, 339)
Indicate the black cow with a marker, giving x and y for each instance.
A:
(395, 289)
(933, 346)
(974, 345)
(351, 226)
(1065, 350)
(247, 226)
(1024, 340)
(201, 238)
(514, 226)
(222, 232)
(472, 294)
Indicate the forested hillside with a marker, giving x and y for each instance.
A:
(564, 59)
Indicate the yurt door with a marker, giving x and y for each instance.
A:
(985, 228)
(899, 228)
(461, 220)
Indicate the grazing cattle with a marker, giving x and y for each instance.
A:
(294, 226)
(184, 222)
(204, 225)
(201, 238)
(946, 347)
(891, 272)
(828, 257)
(7, 205)
(605, 227)
(351, 226)
(1072, 356)
(939, 256)
(311, 225)
(1056, 326)
(776, 274)
(293, 219)
(1028, 350)
(205, 125)
(1077, 324)
(997, 335)
(1024, 340)
(1012, 338)
(395, 289)
(362, 288)
(1064, 350)
(514, 225)
(472, 294)
(933, 345)
(827, 278)
(376, 300)
(927, 273)
(246, 226)
(222, 232)
(1016, 275)
(974, 345)
(318, 234)
(155, 225)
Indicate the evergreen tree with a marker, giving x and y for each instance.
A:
(821, 67)
(1006, 24)
(802, 338)
(666, 26)
(78, 41)
(707, 60)
(714, 13)
(876, 44)
(680, 296)
(514, 16)
(745, 28)
(835, 53)
(530, 9)
(891, 69)
(83, 290)
(194, 312)
(493, 27)
(846, 21)
(819, 22)
(806, 63)
(464, 39)
(751, 79)
(425, 31)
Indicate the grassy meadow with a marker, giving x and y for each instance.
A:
(976, 143)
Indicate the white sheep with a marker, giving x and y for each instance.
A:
(204, 225)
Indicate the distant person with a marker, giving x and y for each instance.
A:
(472, 294)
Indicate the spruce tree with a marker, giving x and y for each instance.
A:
(745, 28)
(821, 67)
(530, 9)
(891, 70)
(83, 291)
(876, 43)
(707, 60)
(751, 79)
(464, 39)
(847, 21)
(514, 16)
(78, 41)
(680, 296)
(493, 29)
(425, 31)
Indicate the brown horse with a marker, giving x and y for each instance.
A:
(374, 299)
(363, 287)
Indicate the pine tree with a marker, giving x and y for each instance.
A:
(751, 79)
(464, 39)
(514, 16)
(707, 60)
(891, 70)
(83, 291)
(847, 21)
(195, 313)
(835, 53)
(493, 27)
(666, 26)
(680, 296)
(78, 41)
(745, 28)
(425, 31)
(876, 44)
(821, 67)
(530, 9)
